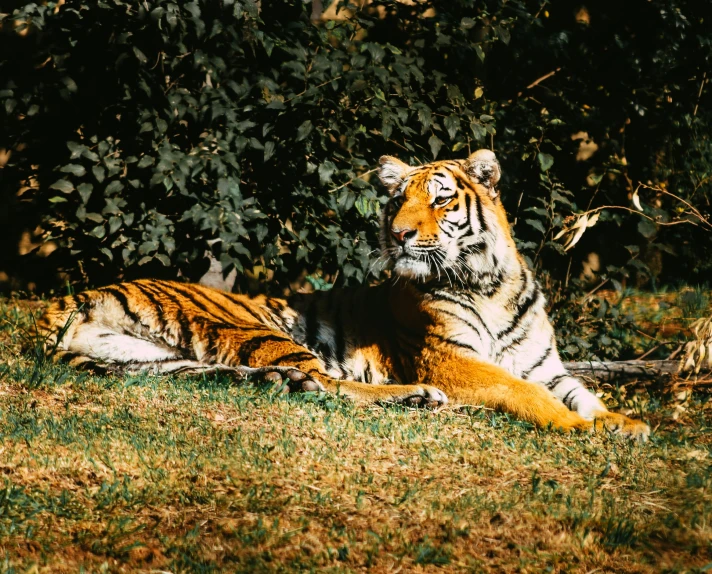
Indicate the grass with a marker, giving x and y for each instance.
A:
(107, 474)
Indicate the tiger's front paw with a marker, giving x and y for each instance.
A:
(421, 396)
(622, 426)
(291, 381)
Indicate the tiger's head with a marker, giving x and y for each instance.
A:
(445, 219)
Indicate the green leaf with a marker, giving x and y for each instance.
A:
(74, 169)
(467, 23)
(647, 228)
(269, 150)
(435, 144)
(114, 224)
(62, 185)
(163, 259)
(326, 170)
(145, 161)
(57, 199)
(545, 161)
(452, 125)
(99, 173)
(478, 131)
(99, 232)
(304, 130)
(113, 187)
(85, 190)
(140, 55)
(536, 224)
(76, 149)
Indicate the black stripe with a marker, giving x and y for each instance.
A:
(468, 208)
(275, 305)
(453, 342)
(446, 233)
(494, 286)
(118, 292)
(539, 363)
(340, 337)
(521, 311)
(444, 296)
(149, 294)
(480, 214)
(513, 343)
(367, 376)
(248, 348)
(191, 296)
(312, 327)
(566, 397)
(461, 183)
(465, 321)
(476, 249)
(553, 383)
(298, 356)
(232, 299)
(186, 331)
(228, 314)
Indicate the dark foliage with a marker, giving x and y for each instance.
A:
(151, 133)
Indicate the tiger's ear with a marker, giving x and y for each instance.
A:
(392, 172)
(483, 167)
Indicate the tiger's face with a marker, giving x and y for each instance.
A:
(443, 219)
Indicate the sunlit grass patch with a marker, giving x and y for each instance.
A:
(200, 475)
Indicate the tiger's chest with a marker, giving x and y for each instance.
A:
(504, 332)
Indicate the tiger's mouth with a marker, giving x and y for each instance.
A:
(415, 263)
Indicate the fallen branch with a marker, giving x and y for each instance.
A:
(608, 370)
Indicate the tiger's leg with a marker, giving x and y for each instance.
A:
(242, 348)
(576, 397)
(467, 381)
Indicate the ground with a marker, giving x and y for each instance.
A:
(199, 475)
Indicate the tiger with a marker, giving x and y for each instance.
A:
(460, 321)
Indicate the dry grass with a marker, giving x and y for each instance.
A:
(198, 475)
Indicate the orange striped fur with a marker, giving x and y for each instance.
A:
(463, 321)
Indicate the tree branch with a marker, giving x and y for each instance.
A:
(609, 370)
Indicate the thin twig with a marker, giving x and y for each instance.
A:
(353, 179)
(695, 211)
(592, 291)
(315, 87)
(699, 94)
(544, 77)
(631, 210)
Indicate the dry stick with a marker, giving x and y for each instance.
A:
(631, 210)
(353, 179)
(300, 94)
(695, 211)
(540, 80)
(699, 95)
(608, 370)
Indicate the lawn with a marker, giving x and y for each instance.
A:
(200, 475)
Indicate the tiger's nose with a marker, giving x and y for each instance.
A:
(402, 235)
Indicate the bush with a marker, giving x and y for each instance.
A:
(152, 133)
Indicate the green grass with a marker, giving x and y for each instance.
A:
(199, 475)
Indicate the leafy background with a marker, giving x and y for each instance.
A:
(137, 138)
